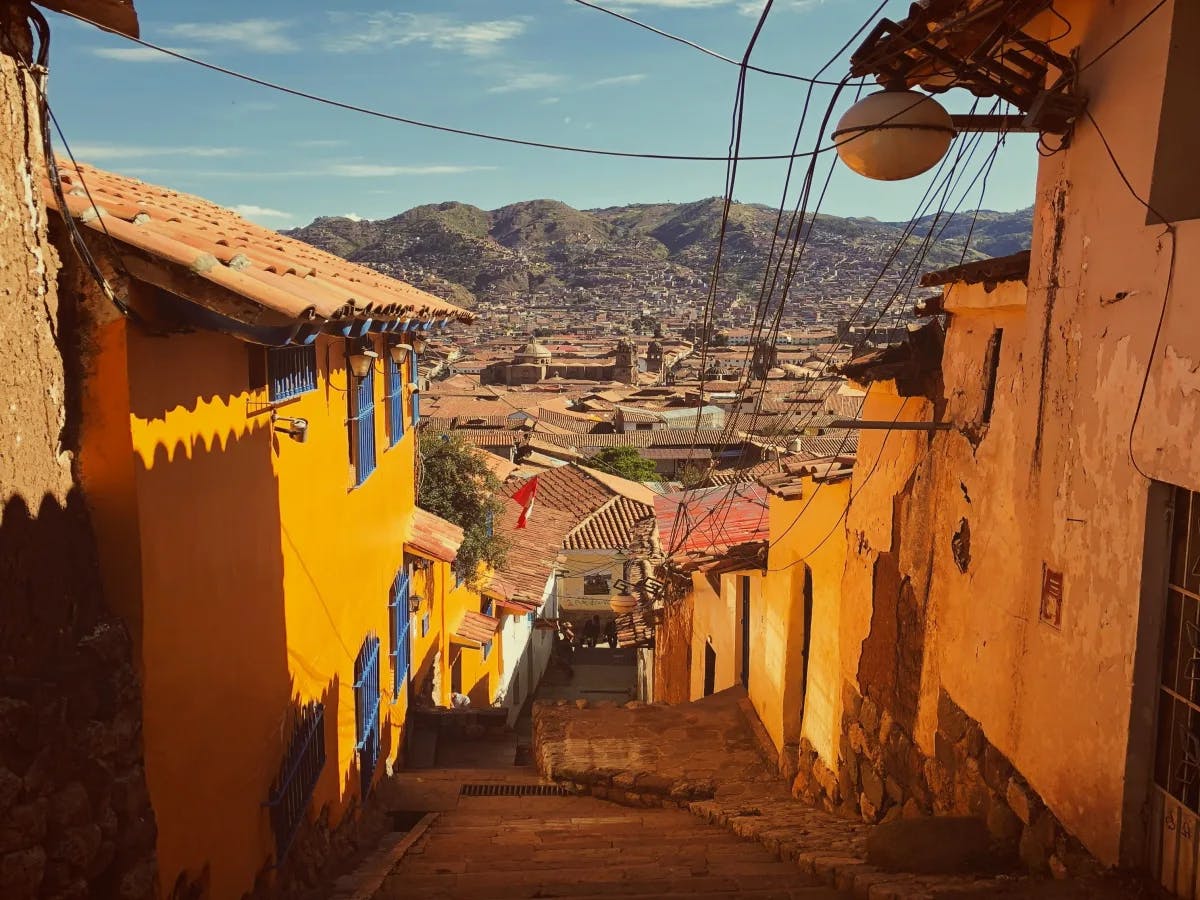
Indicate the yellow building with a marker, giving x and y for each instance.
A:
(794, 676)
(248, 456)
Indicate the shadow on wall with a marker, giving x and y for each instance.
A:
(218, 696)
(70, 716)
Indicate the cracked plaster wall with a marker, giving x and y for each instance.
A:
(1050, 480)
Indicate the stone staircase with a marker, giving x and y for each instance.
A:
(581, 847)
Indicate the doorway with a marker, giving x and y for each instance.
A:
(1174, 839)
(456, 674)
(807, 600)
(710, 668)
(745, 584)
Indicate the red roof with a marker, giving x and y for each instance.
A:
(434, 536)
(532, 550)
(712, 519)
(476, 628)
(218, 260)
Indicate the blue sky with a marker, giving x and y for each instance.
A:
(550, 70)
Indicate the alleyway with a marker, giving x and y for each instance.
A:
(509, 847)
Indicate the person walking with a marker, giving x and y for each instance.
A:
(610, 633)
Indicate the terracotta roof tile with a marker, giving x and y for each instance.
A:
(569, 489)
(613, 526)
(434, 536)
(476, 628)
(532, 550)
(212, 247)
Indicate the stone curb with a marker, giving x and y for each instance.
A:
(837, 867)
(365, 881)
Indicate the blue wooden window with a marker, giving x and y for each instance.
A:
(297, 778)
(488, 607)
(394, 372)
(398, 613)
(366, 710)
(529, 616)
(291, 371)
(362, 426)
(424, 624)
(416, 397)
(487, 650)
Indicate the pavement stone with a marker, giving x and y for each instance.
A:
(712, 751)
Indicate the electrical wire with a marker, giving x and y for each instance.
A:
(447, 129)
(1169, 229)
(1127, 34)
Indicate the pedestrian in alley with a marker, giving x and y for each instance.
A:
(610, 633)
(591, 632)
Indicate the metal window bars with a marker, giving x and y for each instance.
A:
(398, 612)
(363, 427)
(395, 399)
(416, 397)
(291, 371)
(297, 779)
(366, 710)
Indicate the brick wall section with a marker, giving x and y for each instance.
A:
(882, 775)
(75, 817)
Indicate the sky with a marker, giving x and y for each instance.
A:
(546, 70)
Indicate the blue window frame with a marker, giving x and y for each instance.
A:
(416, 397)
(362, 426)
(366, 710)
(297, 778)
(487, 650)
(398, 614)
(393, 372)
(291, 371)
(529, 616)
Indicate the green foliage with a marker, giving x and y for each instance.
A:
(625, 462)
(457, 485)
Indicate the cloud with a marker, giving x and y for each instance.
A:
(755, 7)
(619, 80)
(137, 54)
(250, 211)
(384, 29)
(261, 35)
(526, 81)
(746, 7)
(352, 216)
(375, 170)
(140, 151)
(547, 101)
(322, 143)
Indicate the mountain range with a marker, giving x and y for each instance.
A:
(466, 254)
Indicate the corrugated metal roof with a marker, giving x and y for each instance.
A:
(713, 519)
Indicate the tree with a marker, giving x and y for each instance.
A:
(457, 485)
(626, 462)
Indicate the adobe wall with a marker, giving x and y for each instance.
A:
(75, 819)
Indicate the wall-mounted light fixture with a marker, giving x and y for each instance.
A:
(296, 429)
(361, 362)
(399, 352)
(893, 135)
(419, 343)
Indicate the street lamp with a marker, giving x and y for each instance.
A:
(894, 134)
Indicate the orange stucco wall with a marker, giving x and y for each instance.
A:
(797, 696)
(258, 572)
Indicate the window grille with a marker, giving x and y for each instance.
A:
(393, 371)
(398, 613)
(362, 426)
(424, 624)
(595, 584)
(366, 710)
(291, 371)
(297, 778)
(416, 397)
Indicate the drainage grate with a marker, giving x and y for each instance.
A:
(513, 790)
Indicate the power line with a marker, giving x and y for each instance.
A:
(446, 129)
(705, 50)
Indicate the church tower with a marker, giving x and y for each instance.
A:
(626, 368)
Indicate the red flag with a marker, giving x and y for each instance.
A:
(525, 496)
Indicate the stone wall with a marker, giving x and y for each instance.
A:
(75, 816)
(883, 775)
